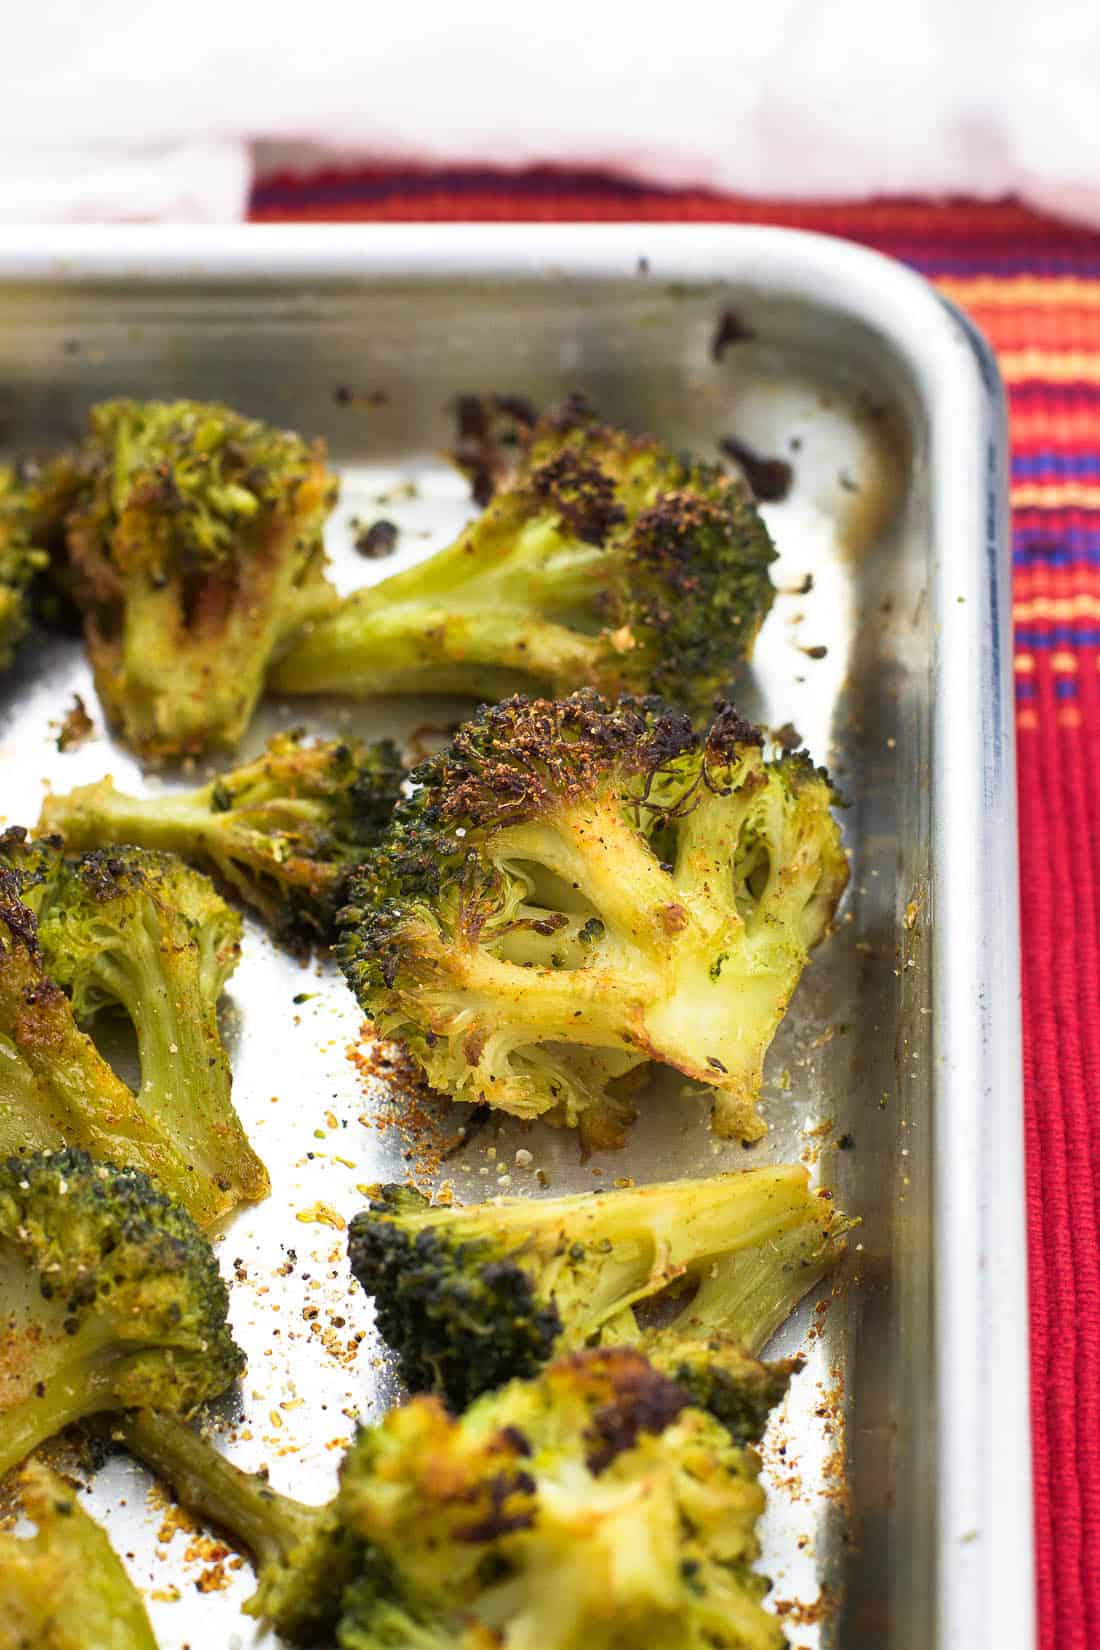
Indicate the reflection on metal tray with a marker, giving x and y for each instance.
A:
(898, 1468)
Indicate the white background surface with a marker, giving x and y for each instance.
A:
(115, 111)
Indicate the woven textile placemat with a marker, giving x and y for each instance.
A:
(1033, 285)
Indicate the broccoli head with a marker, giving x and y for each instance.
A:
(282, 832)
(472, 1297)
(195, 547)
(575, 888)
(138, 933)
(595, 1507)
(64, 1588)
(110, 1298)
(22, 555)
(604, 560)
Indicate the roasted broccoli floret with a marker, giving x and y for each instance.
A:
(140, 933)
(195, 544)
(282, 832)
(22, 555)
(575, 888)
(472, 1297)
(605, 560)
(64, 1588)
(593, 1508)
(57, 1089)
(303, 1556)
(110, 1298)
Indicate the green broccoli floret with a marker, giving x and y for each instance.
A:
(64, 1588)
(593, 1508)
(575, 888)
(110, 1298)
(22, 555)
(139, 933)
(605, 560)
(282, 832)
(195, 544)
(58, 1090)
(441, 1529)
(472, 1297)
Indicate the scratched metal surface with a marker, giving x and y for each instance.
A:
(854, 1059)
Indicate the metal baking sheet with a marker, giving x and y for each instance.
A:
(898, 1470)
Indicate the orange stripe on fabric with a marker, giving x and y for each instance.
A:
(1052, 607)
(1054, 366)
(1055, 495)
(1020, 291)
(1062, 331)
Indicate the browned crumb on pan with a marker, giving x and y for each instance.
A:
(321, 1214)
(729, 329)
(795, 1612)
(202, 1549)
(375, 539)
(345, 396)
(797, 587)
(401, 1100)
(487, 431)
(830, 1412)
(331, 1335)
(213, 1580)
(769, 479)
(205, 1549)
(173, 1518)
(76, 726)
(787, 736)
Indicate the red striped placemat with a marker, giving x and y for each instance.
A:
(1032, 284)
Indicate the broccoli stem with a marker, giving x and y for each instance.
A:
(543, 1005)
(80, 1384)
(368, 649)
(601, 856)
(735, 987)
(471, 1296)
(58, 1090)
(270, 1525)
(196, 705)
(514, 615)
(754, 1292)
(58, 1402)
(753, 1244)
(20, 1433)
(519, 562)
(184, 1067)
(98, 814)
(190, 825)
